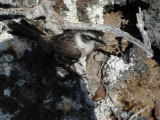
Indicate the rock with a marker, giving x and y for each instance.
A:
(99, 57)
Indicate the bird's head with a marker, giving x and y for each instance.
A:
(91, 37)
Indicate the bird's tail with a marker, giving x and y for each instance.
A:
(25, 29)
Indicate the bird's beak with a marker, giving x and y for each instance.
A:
(99, 41)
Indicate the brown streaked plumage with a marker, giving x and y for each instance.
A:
(68, 47)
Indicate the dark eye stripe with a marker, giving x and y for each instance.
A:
(86, 37)
(83, 36)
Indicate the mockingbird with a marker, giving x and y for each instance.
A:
(67, 48)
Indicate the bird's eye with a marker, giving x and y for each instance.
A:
(85, 37)
(88, 38)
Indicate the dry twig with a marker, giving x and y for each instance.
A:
(142, 110)
(140, 26)
(8, 2)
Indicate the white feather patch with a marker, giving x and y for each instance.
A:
(85, 48)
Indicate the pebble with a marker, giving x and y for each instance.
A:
(99, 57)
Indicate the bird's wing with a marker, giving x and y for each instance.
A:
(65, 48)
(68, 57)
